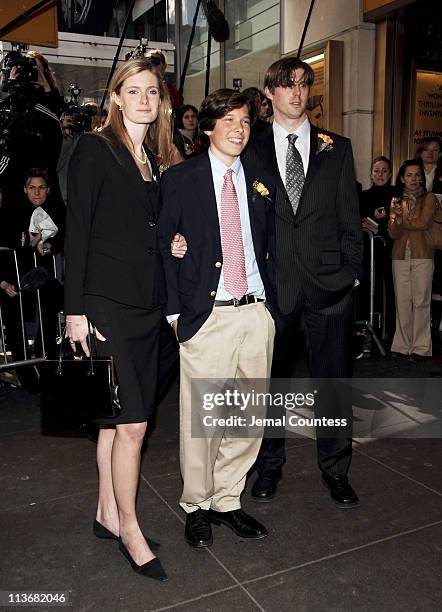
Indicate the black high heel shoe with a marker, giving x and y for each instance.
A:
(102, 532)
(151, 569)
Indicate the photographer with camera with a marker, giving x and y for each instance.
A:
(30, 126)
(76, 120)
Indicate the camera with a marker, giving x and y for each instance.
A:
(237, 84)
(141, 50)
(26, 70)
(16, 110)
(80, 116)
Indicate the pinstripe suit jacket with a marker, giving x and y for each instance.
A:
(319, 250)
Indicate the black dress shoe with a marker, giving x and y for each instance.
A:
(416, 358)
(151, 569)
(240, 523)
(341, 491)
(397, 355)
(102, 532)
(198, 532)
(264, 488)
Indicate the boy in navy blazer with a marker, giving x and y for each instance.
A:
(219, 296)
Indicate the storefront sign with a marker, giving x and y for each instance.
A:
(428, 106)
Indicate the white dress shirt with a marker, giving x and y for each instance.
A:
(281, 145)
(254, 282)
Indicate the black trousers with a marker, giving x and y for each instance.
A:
(328, 337)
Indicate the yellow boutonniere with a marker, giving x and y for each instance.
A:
(325, 143)
(260, 189)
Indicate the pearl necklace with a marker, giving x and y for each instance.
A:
(142, 161)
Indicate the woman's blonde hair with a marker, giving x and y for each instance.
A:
(159, 135)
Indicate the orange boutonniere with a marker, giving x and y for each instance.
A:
(325, 143)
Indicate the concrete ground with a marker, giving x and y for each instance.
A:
(384, 555)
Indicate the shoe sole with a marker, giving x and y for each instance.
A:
(199, 544)
(240, 535)
(341, 505)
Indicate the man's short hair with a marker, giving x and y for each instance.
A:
(218, 104)
(280, 73)
(37, 173)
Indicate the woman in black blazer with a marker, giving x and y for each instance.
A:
(114, 279)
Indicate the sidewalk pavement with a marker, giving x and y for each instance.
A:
(384, 555)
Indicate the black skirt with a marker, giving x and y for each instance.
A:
(132, 338)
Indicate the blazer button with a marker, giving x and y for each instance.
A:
(151, 223)
(212, 293)
(218, 264)
(150, 251)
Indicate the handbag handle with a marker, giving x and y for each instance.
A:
(88, 340)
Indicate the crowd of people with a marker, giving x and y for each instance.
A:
(237, 230)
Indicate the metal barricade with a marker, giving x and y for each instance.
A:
(28, 359)
(369, 324)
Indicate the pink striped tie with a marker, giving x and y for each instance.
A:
(234, 267)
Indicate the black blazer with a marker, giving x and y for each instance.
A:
(111, 228)
(189, 207)
(319, 251)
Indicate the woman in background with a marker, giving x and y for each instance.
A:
(375, 203)
(430, 152)
(187, 125)
(412, 258)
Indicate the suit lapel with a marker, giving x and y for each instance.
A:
(206, 191)
(130, 167)
(253, 208)
(267, 150)
(314, 159)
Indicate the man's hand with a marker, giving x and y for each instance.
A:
(178, 246)
(77, 330)
(8, 289)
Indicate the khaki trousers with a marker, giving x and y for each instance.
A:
(412, 287)
(234, 342)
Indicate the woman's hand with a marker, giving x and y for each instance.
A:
(44, 248)
(178, 246)
(77, 330)
(380, 213)
(174, 326)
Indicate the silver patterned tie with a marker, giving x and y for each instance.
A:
(294, 173)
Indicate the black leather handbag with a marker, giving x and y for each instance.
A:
(87, 386)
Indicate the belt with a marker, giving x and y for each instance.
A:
(246, 299)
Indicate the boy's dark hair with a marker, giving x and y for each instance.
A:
(280, 73)
(218, 104)
(37, 173)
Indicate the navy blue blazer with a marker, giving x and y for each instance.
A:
(189, 207)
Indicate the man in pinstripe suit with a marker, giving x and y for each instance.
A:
(317, 261)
